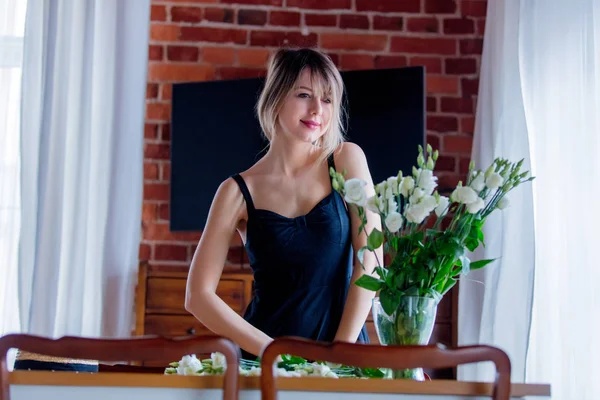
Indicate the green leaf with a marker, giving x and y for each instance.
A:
(411, 291)
(449, 284)
(399, 280)
(481, 263)
(390, 300)
(480, 236)
(368, 282)
(375, 239)
(382, 272)
(389, 279)
(369, 373)
(289, 361)
(472, 244)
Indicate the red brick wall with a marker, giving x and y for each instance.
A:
(198, 40)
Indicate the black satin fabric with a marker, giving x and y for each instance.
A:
(302, 268)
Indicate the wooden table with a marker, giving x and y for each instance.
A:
(27, 385)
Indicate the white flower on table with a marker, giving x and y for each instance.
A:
(494, 181)
(189, 365)
(464, 195)
(323, 370)
(253, 371)
(393, 221)
(355, 191)
(288, 374)
(218, 360)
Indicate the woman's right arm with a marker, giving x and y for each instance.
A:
(201, 299)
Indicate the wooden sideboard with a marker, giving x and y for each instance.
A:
(160, 298)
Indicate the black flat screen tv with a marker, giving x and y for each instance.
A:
(215, 132)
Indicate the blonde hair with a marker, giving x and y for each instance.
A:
(284, 70)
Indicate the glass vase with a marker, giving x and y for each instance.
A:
(410, 324)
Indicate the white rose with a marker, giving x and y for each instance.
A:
(416, 195)
(254, 371)
(392, 183)
(429, 202)
(283, 372)
(478, 183)
(218, 360)
(407, 184)
(442, 206)
(464, 195)
(503, 203)
(355, 191)
(373, 204)
(323, 370)
(475, 206)
(427, 181)
(416, 213)
(189, 365)
(393, 222)
(494, 181)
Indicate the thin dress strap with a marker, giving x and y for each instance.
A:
(245, 192)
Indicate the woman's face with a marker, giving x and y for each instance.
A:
(305, 114)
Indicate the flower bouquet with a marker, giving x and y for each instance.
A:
(288, 366)
(425, 238)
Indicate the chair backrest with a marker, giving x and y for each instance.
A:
(375, 356)
(146, 348)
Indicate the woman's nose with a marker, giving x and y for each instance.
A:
(316, 106)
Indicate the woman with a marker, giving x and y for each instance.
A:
(296, 229)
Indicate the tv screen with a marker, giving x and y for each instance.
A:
(215, 132)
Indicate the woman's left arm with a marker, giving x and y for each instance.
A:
(358, 303)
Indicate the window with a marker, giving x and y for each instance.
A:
(12, 27)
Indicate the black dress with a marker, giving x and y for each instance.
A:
(302, 268)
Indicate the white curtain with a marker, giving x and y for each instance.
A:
(84, 78)
(495, 302)
(560, 69)
(12, 26)
(540, 99)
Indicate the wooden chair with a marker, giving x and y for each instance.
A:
(375, 356)
(144, 348)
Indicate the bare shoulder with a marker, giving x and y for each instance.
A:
(228, 198)
(351, 158)
(229, 190)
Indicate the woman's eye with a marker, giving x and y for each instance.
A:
(328, 101)
(304, 95)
